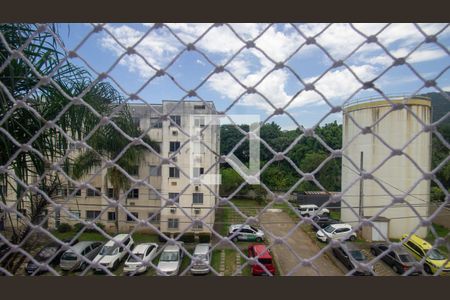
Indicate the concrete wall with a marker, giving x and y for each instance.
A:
(398, 174)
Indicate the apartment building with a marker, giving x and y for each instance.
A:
(167, 196)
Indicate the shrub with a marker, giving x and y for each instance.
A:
(78, 226)
(64, 227)
(188, 238)
(204, 237)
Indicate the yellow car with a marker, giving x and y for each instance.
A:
(435, 259)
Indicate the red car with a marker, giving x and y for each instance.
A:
(264, 258)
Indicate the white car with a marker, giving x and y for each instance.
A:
(114, 251)
(244, 232)
(336, 231)
(170, 260)
(145, 253)
(202, 259)
(309, 210)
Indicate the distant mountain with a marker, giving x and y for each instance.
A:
(440, 105)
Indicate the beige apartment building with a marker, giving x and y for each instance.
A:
(161, 180)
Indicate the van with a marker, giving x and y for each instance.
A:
(309, 210)
(264, 258)
(71, 260)
(434, 258)
(202, 259)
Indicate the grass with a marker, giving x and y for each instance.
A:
(215, 261)
(230, 262)
(441, 231)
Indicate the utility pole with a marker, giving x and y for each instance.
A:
(361, 185)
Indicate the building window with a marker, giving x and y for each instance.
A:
(174, 146)
(77, 193)
(158, 148)
(199, 122)
(133, 194)
(199, 106)
(197, 226)
(111, 215)
(75, 214)
(110, 193)
(155, 170)
(154, 218)
(174, 172)
(136, 122)
(173, 224)
(92, 214)
(155, 123)
(197, 198)
(172, 197)
(130, 219)
(198, 172)
(153, 195)
(176, 120)
(94, 192)
(133, 171)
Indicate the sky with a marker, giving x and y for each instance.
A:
(165, 48)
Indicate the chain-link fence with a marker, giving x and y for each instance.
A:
(97, 179)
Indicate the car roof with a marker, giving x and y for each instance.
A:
(421, 242)
(141, 248)
(261, 251)
(308, 205)
(170, 248)
(341, 225)
(80, 246)
(201, 249)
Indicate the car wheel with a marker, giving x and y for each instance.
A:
(83, 266)
(395, 269)
(427, 269)
(259, 240)
(374, 253)
(115, 265)
(235, 239)
(352, 238)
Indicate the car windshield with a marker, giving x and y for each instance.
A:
(107, 250)
(47, 252)
(265, 261)
(435, 254)
(69, 256)
(255, 229)
(405, 258)
(169, 256)
(358, 255)
(201, 257)
(139, 257)
(329, 229)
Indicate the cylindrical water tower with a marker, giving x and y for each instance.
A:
(397, 174)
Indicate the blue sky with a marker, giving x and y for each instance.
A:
(280, 41)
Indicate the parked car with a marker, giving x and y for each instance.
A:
(114, 252)
(399, 260)
(308, 210)
(434, 258)
(335, 231)
(348, 257)
(170, 260)
(49, 255)
(244, 232)
(264, 257)
(323, 222)
(202, 259)
(71, 260)
(144, 253)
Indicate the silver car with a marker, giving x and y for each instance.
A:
(202, 259)
(170, 260)
(70, 261)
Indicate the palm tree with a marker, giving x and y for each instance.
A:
(107, 144)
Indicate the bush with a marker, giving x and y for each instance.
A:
(188, 238)
(64, 227)
(79, 226)
(204, 238)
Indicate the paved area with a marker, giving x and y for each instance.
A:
(279, 223)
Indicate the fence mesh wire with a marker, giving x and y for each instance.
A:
(245, 215)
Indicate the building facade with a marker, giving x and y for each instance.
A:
(167, 197)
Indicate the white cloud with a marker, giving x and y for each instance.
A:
(278, 42)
